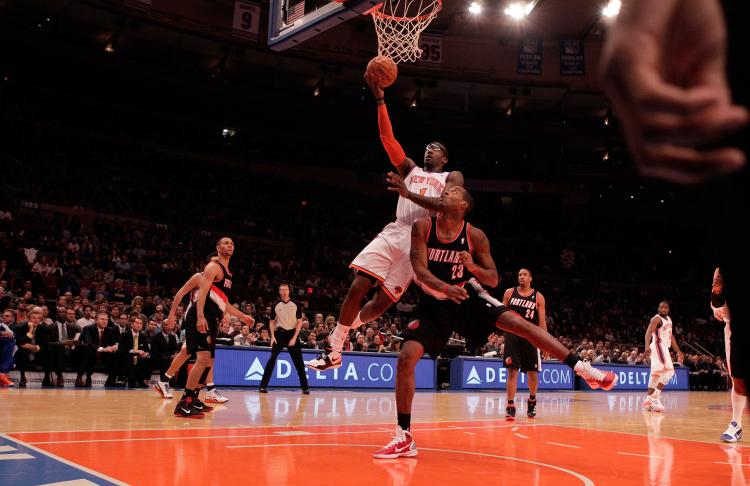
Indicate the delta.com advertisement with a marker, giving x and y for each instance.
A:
(238, 366)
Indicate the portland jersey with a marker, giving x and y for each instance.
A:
(443, 259)
(663, 332)
(419, 181)
(525, 306)
(219, 295)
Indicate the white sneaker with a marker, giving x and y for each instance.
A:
(658, 406)
(163, 388)
(733, 433)
(648, 403)
(325, 362)
(215, 397)
(595, 378)
(402, 445)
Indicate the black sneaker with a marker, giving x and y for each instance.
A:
(201, 407)
(305, 391)
(263, 389)
(510, 413)
(531, 409)
(186, 408)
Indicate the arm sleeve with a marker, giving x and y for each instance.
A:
(299, 309)
(394, 150)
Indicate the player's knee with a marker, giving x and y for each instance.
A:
(666, 377)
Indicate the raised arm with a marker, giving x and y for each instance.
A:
(397, 184)
(480, 263)
(418, 256)
(394, 150)
(506, 296)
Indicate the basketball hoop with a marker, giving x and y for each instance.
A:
(398, 24)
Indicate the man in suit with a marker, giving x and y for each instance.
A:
(31, 339)
(134, 357)
(98, 345)
(7, 348)
(164, 348)
(61, 341)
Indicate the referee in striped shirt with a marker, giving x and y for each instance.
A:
(286, 323)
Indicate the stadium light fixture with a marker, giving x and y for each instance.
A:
(612, 8)
(112, 43)
(519, 10)
(475, 8)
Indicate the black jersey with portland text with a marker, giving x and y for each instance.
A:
(219, 295)
(443, 258)
(524, 305)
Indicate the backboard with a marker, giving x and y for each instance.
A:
(291, 22)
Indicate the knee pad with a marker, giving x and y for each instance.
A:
(666, 376)
(654, 380)
(202, 381)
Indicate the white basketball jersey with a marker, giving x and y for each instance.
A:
(663, 333)
(419, 181)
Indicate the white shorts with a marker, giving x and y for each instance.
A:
(386, 259)
(661, 361)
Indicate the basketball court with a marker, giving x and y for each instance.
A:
(131, 437)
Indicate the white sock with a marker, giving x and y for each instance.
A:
(339, 335)
(357, 321)
(656, 394)
(738, 407)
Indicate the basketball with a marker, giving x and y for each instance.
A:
(384, 68)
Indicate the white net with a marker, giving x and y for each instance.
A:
(398, 24)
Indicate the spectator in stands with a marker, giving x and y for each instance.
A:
(31, 340)
(245, 337)
(88, 317)
(7, 346)
(62, 336)
(151, 329)
(9, 319)
(41, 267)
(223, 336)
(312, 340)
(133, 352)
(99, 345)
(377, 345)
(264, 338)
(360, 345)
(164, 348)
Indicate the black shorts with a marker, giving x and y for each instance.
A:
(435, 320)
(521, 354)
(197, 341)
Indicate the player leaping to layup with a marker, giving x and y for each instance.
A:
(451, 260)
(385, 261)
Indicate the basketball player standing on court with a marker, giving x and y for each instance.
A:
(385, 261)
(721, 313)
(286, 323)
(202, 323)
(658, 339)
(519, 353)
(451, 261)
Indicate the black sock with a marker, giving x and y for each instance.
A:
(190, 393)
(532, 398)
(511, 402)
(211, 387)
(404, 420)
(572, 360)
(164, 377)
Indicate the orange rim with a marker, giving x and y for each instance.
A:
(376, 12)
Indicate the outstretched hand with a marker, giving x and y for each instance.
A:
(397, 184)
(373, 82)
(663, 66)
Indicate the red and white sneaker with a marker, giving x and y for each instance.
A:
(215, 397)
(606, 380)
(325, 362)
(402, 445)
(658, 406)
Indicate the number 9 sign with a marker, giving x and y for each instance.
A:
(246, 20)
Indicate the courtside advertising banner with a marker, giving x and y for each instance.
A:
(489, 374)
(636, 377)
(241, 366)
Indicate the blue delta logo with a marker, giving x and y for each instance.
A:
(255, 372)
(473, 378)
